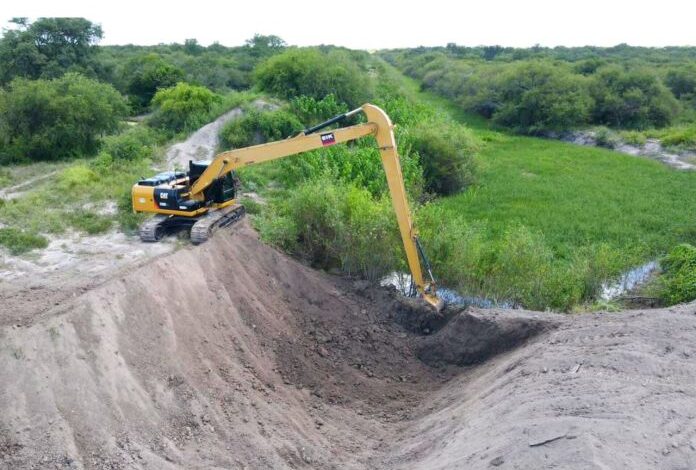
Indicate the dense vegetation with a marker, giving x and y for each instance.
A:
(56, 119)
(533, 222)
(539, 90)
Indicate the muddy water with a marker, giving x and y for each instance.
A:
(402, 283)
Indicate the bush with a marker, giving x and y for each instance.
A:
(55, 119)
(146, 74)
(257, 127)
(316, 74)
(633, 99)
(446, 156)
(183, 107)
(136, 143)
(530, 97)
(90, 222)
(313, 111)
(684, 136)
(335, 226)
(678, 283)
(18, 242)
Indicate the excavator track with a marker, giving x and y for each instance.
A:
(207, 225)
(153, 229)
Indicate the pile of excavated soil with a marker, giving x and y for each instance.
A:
(232, 355)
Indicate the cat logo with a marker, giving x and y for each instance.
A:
(328, 139)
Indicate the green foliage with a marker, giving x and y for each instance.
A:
(682, 82)
(311, 110)
(136, 143)
(48, 47)
(76, 177)
(59, 118)
(335, 226)
(18, 241)
(316, 74)
(446, 156)
(531, 97)
(680, 136)
(257, 127)
(265, 46)
(183, 107)
(90, 222)
(678, 281)
(144, 75)
(633, 99)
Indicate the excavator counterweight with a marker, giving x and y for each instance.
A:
(204, 198)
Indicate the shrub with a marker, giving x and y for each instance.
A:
(446, 156)
(90, 222)
(607, 138)
(60, 118)
(536, 97)
(146, 74)
(135, 143)
(183, 107)
(312, 111)
(682, 82)
(633, 99)
(18, 241)
(335, 226)
(680, 136)
(257, 127)
(678, 282)
(75, 177)
(316, 74)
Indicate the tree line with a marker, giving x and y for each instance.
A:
(538, 90)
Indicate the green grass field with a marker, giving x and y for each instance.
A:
(547, 222)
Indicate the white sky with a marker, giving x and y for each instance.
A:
(365, 24)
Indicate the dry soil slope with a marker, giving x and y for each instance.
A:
(231, 355)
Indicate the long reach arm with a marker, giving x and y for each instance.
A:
(380, 126)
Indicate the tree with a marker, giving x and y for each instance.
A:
(264, 46)
(145, 75)
(682, 82)
(58, 118)
(192, 47)
(631, 99)
(530, 97)
(317, 74)
(48, 48)
(447, 157)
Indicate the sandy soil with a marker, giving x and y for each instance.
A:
(231, 355)
(73, 263)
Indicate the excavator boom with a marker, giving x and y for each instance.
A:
(380, 127)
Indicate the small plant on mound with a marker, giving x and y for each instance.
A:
(18, 241)
(679, 275)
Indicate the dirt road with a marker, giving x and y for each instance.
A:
(232, 355)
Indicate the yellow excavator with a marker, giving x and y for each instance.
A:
(204, 198)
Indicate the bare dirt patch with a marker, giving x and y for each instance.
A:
(231, 355)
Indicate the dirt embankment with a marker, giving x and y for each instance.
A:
(74, 263)
(231, 355)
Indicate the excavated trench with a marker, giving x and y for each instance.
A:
(232, 355)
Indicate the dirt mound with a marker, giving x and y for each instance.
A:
(231, 355)
(472, 337)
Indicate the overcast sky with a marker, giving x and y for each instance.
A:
(371, 24)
